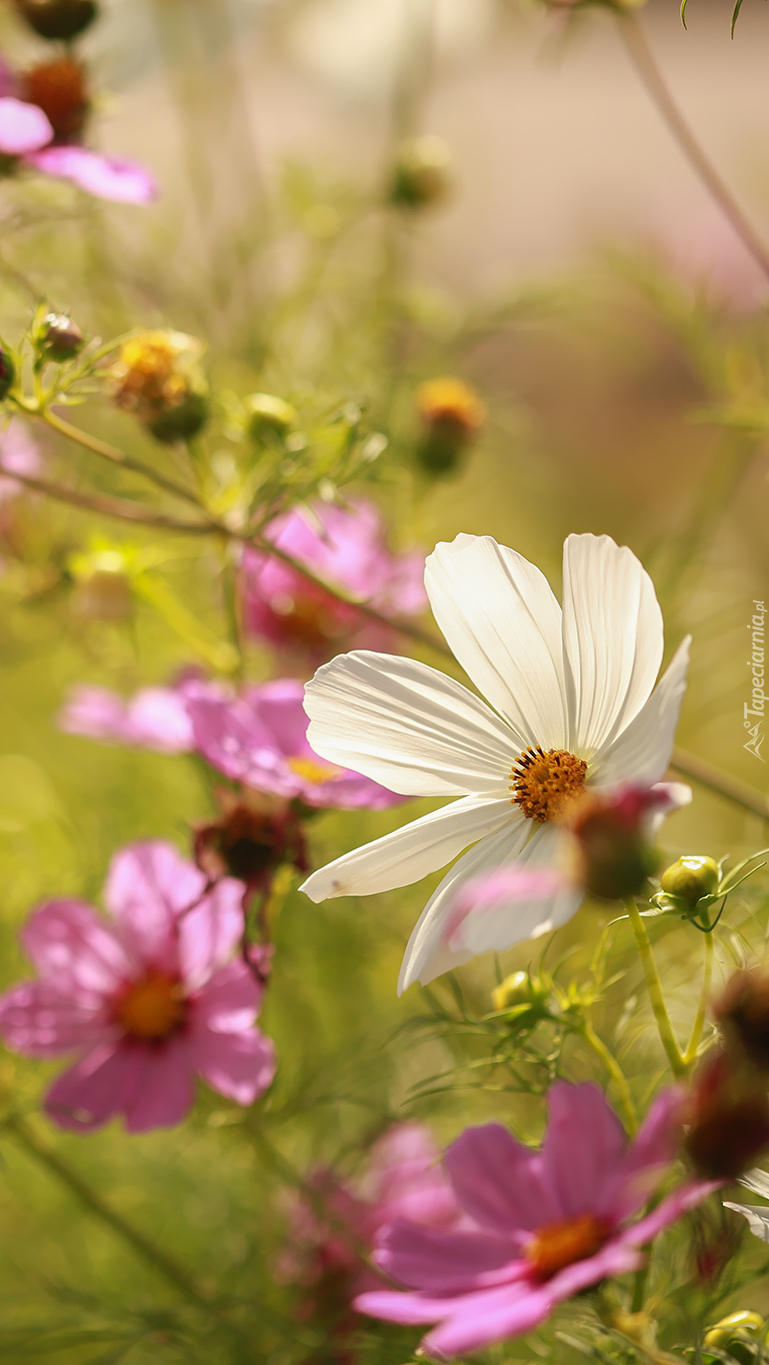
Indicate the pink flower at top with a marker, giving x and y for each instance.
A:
(545, 1224)
(260, 738)
(146, 1002)
(18, 455)
(153, 718)
(346, 548)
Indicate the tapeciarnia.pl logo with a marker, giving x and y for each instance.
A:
(753, 711)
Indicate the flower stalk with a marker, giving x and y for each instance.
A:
(678, 1065)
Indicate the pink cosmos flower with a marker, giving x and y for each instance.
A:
(346, 547)
(545, 1224)
(260, 738)
(26, 132)
(146, 1002)
(18, 455)
(153, 718)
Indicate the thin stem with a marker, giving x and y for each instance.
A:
(654, 987)
(617, 1074)
(642, 58)
(639, 1286)
(115, 456)
(690, 1055)
(117, 508)
(729, 787)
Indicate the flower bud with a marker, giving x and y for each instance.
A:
(7, 373)
(268, 416)
(616, 853)
(422, 173)
(253, 837)
(733, 1335)
(59, 89)
(514, 990)
(58, 20)
(742, 1010)
(728, 1118)
(160, 380)
(60, 337)
(691, 878)
(451, 415)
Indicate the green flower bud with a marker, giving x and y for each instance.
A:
(514, 990)
(60, 337)
(58, 20)
(422, 173)
(7, 373)
(733, 1334)
(182, 421)
(268, 416)
(690, 878)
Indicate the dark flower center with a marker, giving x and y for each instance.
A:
(552, 1247)
(152, 1009)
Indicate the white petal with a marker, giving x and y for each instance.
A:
(411, 852)
(612, 639)
(757, 1216)
(428, 954)
(499, 615)
(757, 1181)
(407, 726)
(678, 795)
(642, 752)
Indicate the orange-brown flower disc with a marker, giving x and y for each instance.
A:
(545, 784)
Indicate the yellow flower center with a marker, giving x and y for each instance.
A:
(544, 784)
(557, 1245)
(152, 1009)
(312, 770)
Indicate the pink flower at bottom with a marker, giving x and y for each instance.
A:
(147, 1002)
(346, 548)
(547, 1223)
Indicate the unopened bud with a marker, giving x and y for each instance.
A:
(422, 173)
(733, 1334)
(7, 373)
(742, 1010)
(59, 89)
(452, 414)
(182, 421)
(58, 20)
(60, 337)
(612, 833)
(514, 990)
(691, 878)
(268, 416)
(728, 1117)
(253, 837)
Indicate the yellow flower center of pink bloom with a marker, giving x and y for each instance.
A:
(545, 784)
(152, 1009)
(557, 1245)
(312, 770)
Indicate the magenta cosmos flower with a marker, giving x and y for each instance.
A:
(544, 1224)
(347, 548)
(26, 132)
(147, 1002)
(260, 739)
(153, 718)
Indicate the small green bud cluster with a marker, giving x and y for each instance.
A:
(268, 417)
(735, 1336)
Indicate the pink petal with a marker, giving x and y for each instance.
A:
(23, 127)
(97, 713)
(163, 1090)
(104, 176)
(238, 1065)
(159, 720)
(148, 886)
(408, 1179)
(228, 1003)
(498, 1181)
(209, 933)
(616, 1258)
(584, 1145)
(75, 951)
(480, 900)
(18, 453)
(485, 1318)
(686, 1197)
(404, 1308)
(40, 1021)
(233, 738)
(644, 1165)
(93, 1091)
(446, 1262)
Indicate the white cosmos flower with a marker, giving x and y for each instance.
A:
(576, 684)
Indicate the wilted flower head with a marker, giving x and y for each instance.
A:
(540, 1226)
(728, 1117)
(254, 836)
(260, 739)
(160, 380)
(147, 1001)
(345, 547)
(576, 710)
(452, 414)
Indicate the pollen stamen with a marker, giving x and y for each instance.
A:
(544, 784)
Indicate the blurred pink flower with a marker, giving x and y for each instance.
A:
(147, 1002)
(26, 132)
(153, 718)
(18, 454)
(260, 738)
(547, 1223)
(346, 547)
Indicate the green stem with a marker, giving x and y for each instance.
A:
(617, 1074)
(690, 1055)
(115, 456)
(639, 1286)
(654, 987)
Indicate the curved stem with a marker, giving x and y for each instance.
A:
(643, 60)
(690, 1055)
(648, 70)
(115, 456)
(617, 1074)
(654, 987)
(724, 785)
(118, 508)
